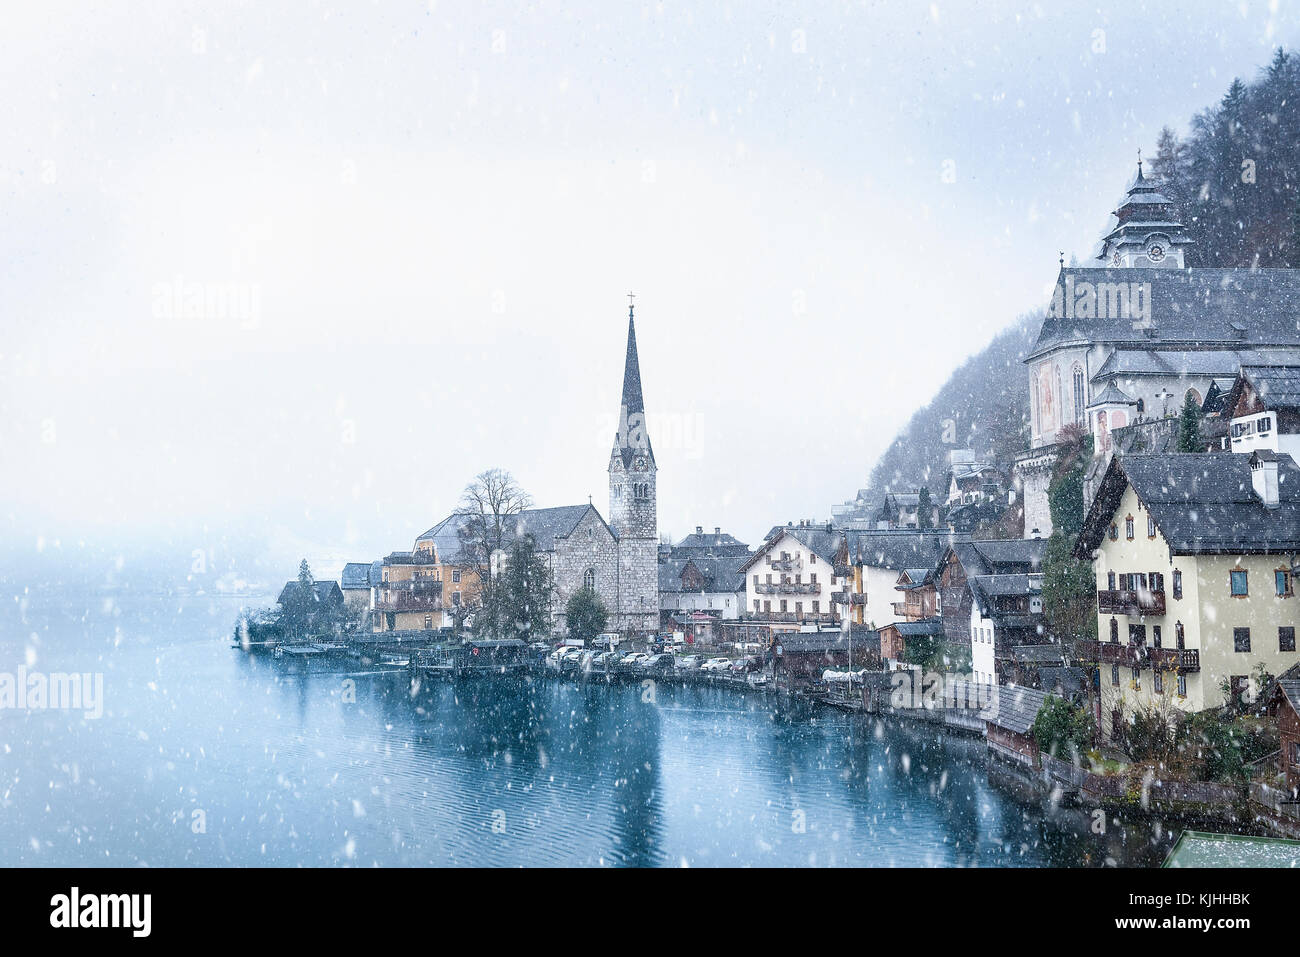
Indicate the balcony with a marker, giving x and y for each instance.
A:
(1130, 603)
(848, 598)
(408, 602)
(1186, 660)
(808, 618)
(785, 564)
(788, 588)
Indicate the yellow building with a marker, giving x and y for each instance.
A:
(1194, 557)
(422, 589)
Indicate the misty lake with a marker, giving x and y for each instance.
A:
(208, 756)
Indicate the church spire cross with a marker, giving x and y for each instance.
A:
(630, 297)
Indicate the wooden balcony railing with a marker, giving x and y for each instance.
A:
(1140, 656)
(1130, 603)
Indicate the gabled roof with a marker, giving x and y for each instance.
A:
(1018, 555)
(1174, 363)
(722, 573)
(1203, 503)
(898, 549)
(1017, 708)
(709, 543)
(356, 575)
(910, 629)
(821, 540)
(1192, 307)
(1111, 395)
(546, 525)
(1278, 387)
(322, 592)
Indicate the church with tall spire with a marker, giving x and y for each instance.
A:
(428, 586)
(633, 512)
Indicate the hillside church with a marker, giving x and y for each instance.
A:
(426, 587)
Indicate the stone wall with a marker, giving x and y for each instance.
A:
(589, 546)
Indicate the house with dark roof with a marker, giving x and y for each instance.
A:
(1009, 730)
(1264, 409)
(875, 560)
(965, 560)
(1283, 705)
(794, 578)
(356, 584)
(1127, 340)
(698, 593)
(702, 544)
(1195, 557)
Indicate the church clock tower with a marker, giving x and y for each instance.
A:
(632, 502)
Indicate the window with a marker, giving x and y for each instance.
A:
(589, 578)
(1240, 586)
(1286, 638)
(1128, 528)
(812, 578)
(1078, 395)
(812, 559)
(798, 608)
(455, 574)
(1179, 638)
(1114, 532)
(1158, 680)
(1178, 584)
(755, 600)
(455, 599)
(1114, 675)
(755, 579)
(798, 578)
(1155, 635)
(1114, 629)
(1137, 635)
(1157, 581)
(428, 621)
(1137, 677)
(1282, 579)
(817, 608)
(784, 605)
(1151, 526)
(1182, 685)
(767, 607)
(1110, 581)
(1241, 639)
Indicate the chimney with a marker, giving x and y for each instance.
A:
(1263, 476)
(717, 529)
(699, 529)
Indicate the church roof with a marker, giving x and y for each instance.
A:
(1241, 309)
(1176, 363)
(1111, 395)
(545, 525)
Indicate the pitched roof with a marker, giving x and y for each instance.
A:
(1175, 363)
(714, 543)
(722, 573)
(321, 591)
(1000, 557)
(898, 549)
(356, 575)
(1111, 395)
(546, 525)
(1192, 307)
(1203, 503)
(821, 540)
(1017, 708)
(1278, 387)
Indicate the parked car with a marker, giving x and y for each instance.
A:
(687, 662)
(657, 664)
(716, 665)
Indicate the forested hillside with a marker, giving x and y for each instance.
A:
(1235, 178)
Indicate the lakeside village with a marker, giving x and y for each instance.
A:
(1114, 609)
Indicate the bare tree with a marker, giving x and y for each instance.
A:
(485, 507)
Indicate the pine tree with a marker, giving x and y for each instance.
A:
(924, 509)
(586, 614)
(1189, 426)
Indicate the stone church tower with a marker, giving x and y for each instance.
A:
(632, 503)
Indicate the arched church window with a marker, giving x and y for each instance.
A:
(1078, 395)
(1193, 395)
(589, 578)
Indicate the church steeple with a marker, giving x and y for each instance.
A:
(632, 435)
(1146, 232)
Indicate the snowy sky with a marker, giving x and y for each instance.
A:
(412, 228)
